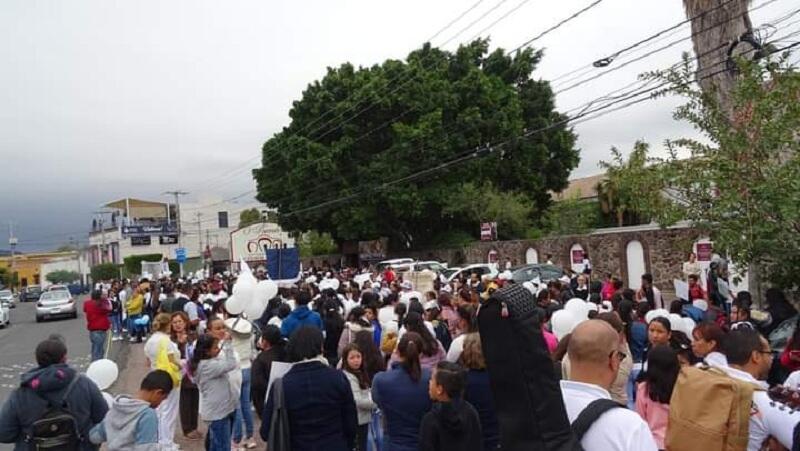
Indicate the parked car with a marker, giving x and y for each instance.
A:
(482, 269)
(543, 272)
(55, 303)
(7, 297)
(30, 293)
(5, 315)
(421, 266)
(381, 266)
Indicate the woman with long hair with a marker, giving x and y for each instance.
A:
(355, 323)
(189, 403)
(158, 343)
(707, 344)
(432, 352)
(353, 368)
(371, 355)
(655, 390)
(218, 401)
(448, 314)
(402, 395)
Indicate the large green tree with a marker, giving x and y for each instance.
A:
(435, 105)
(249, 217)
(62, 276)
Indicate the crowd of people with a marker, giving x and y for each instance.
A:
(348, 359)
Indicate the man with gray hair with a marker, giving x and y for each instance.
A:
(598, 422)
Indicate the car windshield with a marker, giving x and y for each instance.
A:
(34, 288)
(5, 293)
(450, 272)
(58, 287)
(54, 296)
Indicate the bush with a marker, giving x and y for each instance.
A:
(104, 271)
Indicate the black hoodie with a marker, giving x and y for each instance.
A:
(451, 426)
(28, 402)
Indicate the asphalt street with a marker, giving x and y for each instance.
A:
(18, 343)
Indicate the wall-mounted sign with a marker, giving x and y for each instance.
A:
(140, 241)
(248, 243)
(488, 231)
(148, 230)
(168, 239)
(705, 252)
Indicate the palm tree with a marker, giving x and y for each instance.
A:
(715, 23)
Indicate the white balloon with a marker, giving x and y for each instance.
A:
(688, 327)
(265, 290)
(577, 307)
(245, 287)
(334, 283)
(103, 373)
(656, 313)
(234, 305)
(563, 321)
(675, 321)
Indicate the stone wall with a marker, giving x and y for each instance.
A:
(665, 250)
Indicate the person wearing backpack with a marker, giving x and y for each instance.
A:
(53, 405)
(598, 422)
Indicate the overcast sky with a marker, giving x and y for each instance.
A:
(101, 99)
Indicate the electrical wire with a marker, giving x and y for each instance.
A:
(556, 26)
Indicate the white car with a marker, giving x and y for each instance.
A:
(421, 266)
(55, 303)
(6, 296)
(482, 269)
(381, 266)
(5, 315)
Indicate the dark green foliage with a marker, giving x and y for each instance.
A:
(447, 103)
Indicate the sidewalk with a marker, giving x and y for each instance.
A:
(132, 369)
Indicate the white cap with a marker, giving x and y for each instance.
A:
(431, 305)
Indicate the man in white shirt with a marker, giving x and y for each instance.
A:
(749, 359)
(595, 360)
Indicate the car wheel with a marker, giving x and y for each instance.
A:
(38, 319)
(75, 315)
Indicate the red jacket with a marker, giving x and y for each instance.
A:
(97, 314)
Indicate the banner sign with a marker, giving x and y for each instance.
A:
(168, 239)
(283, 263)
(140, 240)
(248, 243)
(577, 256)
(704, 252)
(488, 231)
(148, 230)
(374, 250)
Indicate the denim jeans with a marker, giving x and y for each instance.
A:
(116, 323)
(133, 329)
(244, 412)
(218, 437)
(98, 339)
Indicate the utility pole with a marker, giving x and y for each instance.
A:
(177, 194)
(78, 250)
(199, 233)
(102, 234)
(12, 240)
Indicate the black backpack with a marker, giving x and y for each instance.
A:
(57, 428)
(590, 414)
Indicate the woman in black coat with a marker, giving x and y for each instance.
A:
(319, 401)
(273, 349)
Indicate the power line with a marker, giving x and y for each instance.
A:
(500, 19)
(557, 26)
(481, 17)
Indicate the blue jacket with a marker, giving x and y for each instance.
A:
(300, 316)
(479, 394)
(638, 340)
(403, 403)
(322, 412)
(29, 402)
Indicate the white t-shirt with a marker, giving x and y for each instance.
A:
(152, 344)
(767, 417)
(386, 315)
(793, 381)
(456, 348)
(616, 430)
(191, 310)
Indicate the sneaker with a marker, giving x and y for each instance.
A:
(116, 339)
(132, 340)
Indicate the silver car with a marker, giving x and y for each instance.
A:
(55, 303)
(5, 317)
(7, 297)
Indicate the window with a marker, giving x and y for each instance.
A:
(223, 219)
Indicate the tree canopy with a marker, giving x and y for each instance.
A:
(741, 184)
(359, 128)
(249, 217)
(62, 276)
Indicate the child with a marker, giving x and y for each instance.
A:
(655, 390)
(218, 400)
(452, 423)
(353, 368)
(132, 423)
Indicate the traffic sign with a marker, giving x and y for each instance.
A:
(180, 254)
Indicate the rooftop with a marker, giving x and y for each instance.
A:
(581, 189)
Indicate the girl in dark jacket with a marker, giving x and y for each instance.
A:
(273, 349)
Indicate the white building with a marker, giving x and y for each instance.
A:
(77, 262)
(137, 227)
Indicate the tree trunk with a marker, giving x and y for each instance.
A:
(713, 26)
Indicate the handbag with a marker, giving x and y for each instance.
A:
(279, 436)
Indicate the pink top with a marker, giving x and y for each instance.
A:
(550, 339)
(655, 414)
